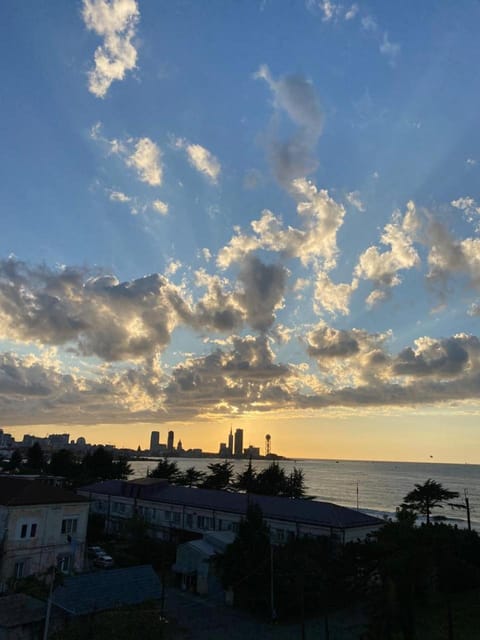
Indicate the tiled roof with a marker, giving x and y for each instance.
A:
(297, 510)
(103, 590)
(19, 491)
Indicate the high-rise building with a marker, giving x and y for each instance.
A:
(238, 444)
(154, 441)
(170, 441)
(230, 443)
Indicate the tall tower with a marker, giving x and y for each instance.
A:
(154, 441)
(268, 439)
(230, 443)
(170, 441)
(238, 444)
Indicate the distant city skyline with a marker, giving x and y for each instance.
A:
(263, 215)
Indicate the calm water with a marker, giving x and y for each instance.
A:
(381, 485)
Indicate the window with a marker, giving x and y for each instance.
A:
(33, 530)
(20, 569)
(23, 532)
(64, 563)
(189, 520)
(176, 517)
(69, 525)
(168, 515)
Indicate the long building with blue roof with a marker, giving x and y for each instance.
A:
(169, 509)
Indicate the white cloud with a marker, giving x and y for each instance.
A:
(160, 207)
(331, 297)
(146, 160)
(118, 196)
(116, 22)
(470, 208)
(471, 162)
(388, 48)
(383, 267)
(201, 159)
(354, 199)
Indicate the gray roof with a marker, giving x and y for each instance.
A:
(102, 590)
(20, 491)
(312, 512)
(19, 609)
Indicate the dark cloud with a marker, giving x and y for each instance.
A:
(264, 288)
(443, 358)
(293, 157)
(326, 342)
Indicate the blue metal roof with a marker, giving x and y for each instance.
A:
(102, 590)
(299, 510)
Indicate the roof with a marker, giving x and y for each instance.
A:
(19, 609)
(102, 590)
(19, 491)
(312, 512)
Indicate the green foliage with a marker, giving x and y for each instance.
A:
(191, 477)
(220, 476)
(166, 469)
(119, 624)
(35, 458)
(95, 527)
(15, 461)
(272, 481)
(245, 565)
(63, 463)
(427, 496)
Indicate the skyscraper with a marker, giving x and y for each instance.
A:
(154, 441)
(170, 441)
(238, 445)
(230, 443)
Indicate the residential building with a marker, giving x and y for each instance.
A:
(40, 526)
(238, 443)
(171, 512)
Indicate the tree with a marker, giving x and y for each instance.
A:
(272, 481)
(63, 463)
(244, 567)
(220, 476)
(15, 461)
(246, 480)
(166, 469)
(35, 460)
(191, 477)
(295, 487)
(427, 496)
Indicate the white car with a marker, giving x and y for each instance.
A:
(105, 561)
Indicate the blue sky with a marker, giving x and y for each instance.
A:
(260, 212)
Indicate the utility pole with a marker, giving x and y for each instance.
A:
(49, 606)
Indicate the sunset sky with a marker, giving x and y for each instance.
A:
(260, 214)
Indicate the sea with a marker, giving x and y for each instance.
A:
(376, 488)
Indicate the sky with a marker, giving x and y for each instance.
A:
(262, 215)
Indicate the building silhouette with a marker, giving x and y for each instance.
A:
(170, 445)
(230, 443)
(154, 441)
(238, 443)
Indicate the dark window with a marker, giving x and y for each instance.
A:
(23, 533)
(33, 531)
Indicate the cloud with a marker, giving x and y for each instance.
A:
(118, 196)
(440, 358)
(354, 199)
(201, 159)
(160, 207)
(332, 11)
(470, 208)
(93, 314)
(264, 289)
(383, 267)
(146, 160)
(316, 240)
(140, 154)
(295, 96)
(388, 48)
(331, 297)
(116, 22)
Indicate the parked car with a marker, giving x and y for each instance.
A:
(104, 561)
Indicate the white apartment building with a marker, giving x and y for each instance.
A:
(40, 526)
